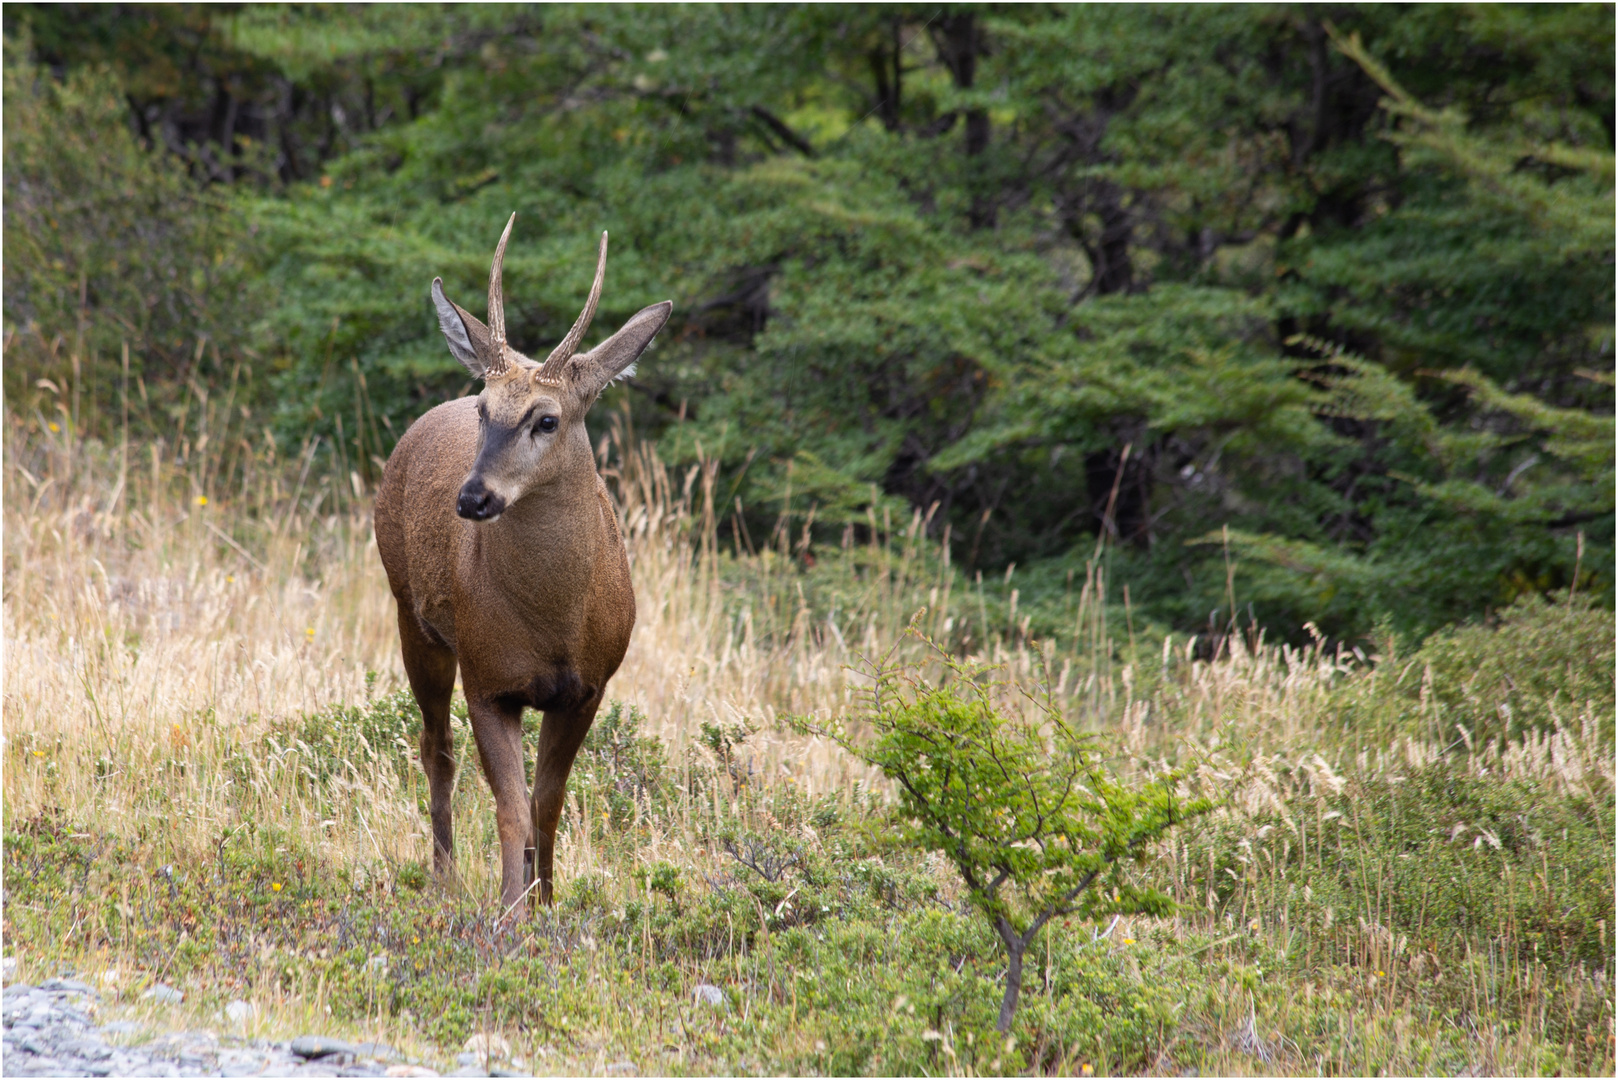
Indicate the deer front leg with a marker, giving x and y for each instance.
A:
(431, 670)
(560, 737)
(497, 726)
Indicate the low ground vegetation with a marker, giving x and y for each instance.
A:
(210, 780)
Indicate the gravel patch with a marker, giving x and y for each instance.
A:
(50, 1030)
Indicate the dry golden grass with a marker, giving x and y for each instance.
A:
(160, 630)
(148, 616)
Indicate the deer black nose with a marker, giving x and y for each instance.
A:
(477, 502)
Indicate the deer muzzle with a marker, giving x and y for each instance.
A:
(477, 502)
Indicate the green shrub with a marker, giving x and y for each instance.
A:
(619, 766)
(1016, 800)
(1544, 662)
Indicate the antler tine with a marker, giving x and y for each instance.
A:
(565, 350)
(497, 302)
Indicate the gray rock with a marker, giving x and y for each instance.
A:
(239, 1011)
(164, 994)
(37, 1046)
(468, 1070)
(709, 994)
(71, 986)
(15, 989)
(319, 1046)
(93, 1049)
(621, 1068)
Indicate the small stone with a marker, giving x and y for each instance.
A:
(374, 1050)
(466, 1058)
(8, 967)
(69, 986)
(621, 1068)
(509, 1072)
(469, 1070)
(73, 1016)
(709, 994)
(93, 1049)
(120, 1027)
(16, 989)
(319, 1046)
(163, 994)
(240, 1011)
(484, 1044)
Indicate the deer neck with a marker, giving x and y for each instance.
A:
(547, 544)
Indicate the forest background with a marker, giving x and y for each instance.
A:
(1303, 309)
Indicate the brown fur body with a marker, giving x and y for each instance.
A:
(503, 552)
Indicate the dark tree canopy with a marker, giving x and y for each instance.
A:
(1334, 283)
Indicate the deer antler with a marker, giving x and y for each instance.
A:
(552, 368)
(497, 306)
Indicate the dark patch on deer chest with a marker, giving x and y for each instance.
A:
(558, 690)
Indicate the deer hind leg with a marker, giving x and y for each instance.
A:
(560, 737)
(497, 727)
(431, 669)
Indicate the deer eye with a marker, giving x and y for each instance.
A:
(546, 424)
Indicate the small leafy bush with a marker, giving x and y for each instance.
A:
(1016, 800)
(620, 766)
(387, 727)
(1544, 662)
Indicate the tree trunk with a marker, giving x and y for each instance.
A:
(1116, 272)
(959, 45)
(1008, 1004)
(888, 94)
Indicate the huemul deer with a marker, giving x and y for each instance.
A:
(503, 552)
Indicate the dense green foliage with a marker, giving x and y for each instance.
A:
(1531, 673)
(1344, 288)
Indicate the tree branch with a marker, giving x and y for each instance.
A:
(782, 131)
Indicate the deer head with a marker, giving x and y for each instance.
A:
(530, 415)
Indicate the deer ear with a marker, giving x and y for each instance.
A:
(469, 340)
(615, 358)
